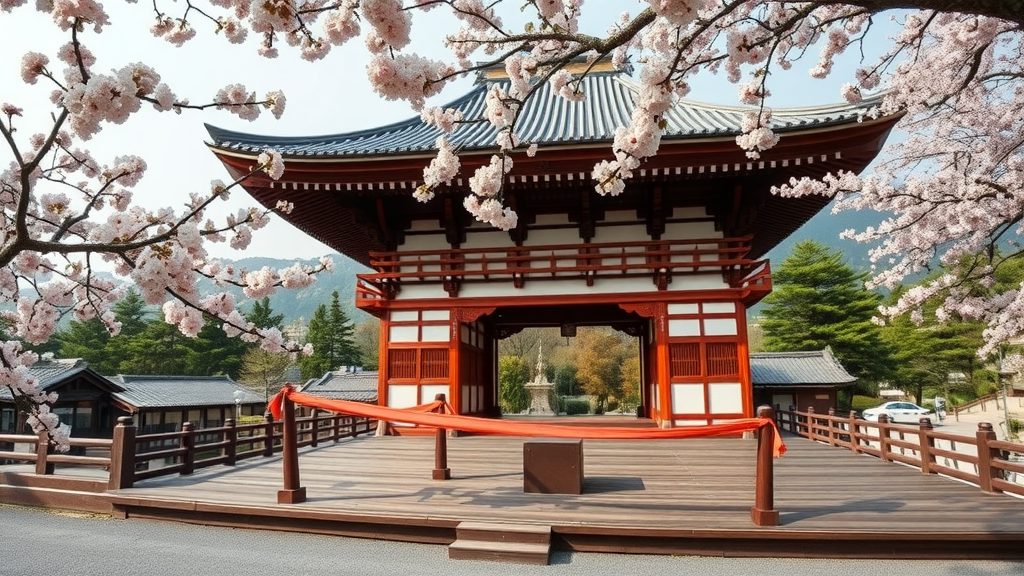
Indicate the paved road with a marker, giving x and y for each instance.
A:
(47, 544)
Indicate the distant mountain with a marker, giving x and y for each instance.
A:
(824, 228)
(296, 304)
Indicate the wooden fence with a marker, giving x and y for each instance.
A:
(993, 465)
(130, 458)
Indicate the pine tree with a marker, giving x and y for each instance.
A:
(330, 333)
(262, 315)
(820, 301)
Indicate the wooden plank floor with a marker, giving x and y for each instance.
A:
(669, 496)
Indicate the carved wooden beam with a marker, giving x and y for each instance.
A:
(656, 214)
(454, 232)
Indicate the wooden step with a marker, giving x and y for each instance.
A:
(520, 543)
(501, 532)
(519, 552)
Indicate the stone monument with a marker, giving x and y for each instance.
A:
(540, 389)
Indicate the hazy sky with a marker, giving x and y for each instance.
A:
(326, 97)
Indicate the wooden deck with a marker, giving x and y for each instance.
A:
(658, 497)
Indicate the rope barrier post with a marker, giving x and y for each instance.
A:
(43, 448)
(986, 454)
(441, 470)
(764, 513)
(122, 455)
(292, 492)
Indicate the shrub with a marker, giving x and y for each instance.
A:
(861, 403)
(1016, 426)
(573, 407)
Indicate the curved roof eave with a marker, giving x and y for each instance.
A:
(547, 119)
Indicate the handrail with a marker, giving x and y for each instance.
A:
(981, 401)
(688, 255)
(43, 456)
(180, 452)
(993, 465)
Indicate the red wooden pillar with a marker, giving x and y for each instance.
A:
(764, 513)
(663, 374)
(43, 448)
(986, 454)
(292, 492)
(441, 470)
(122, 455)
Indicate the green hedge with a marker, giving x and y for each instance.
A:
(573, 407)
(862, 403)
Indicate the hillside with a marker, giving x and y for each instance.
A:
(295, 304)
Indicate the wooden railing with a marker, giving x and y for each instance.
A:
(976, 402)
(993, 465)
(45, 460)
(131, 458)
(657, 259)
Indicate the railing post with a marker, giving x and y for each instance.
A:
(832, 436)
(854, 433)
(792, 419)
(188, 442)
(441, 470)
(314, 433)
(231, 439)
(811, 423)
(984, 435)
(268, 440)
(122, 455)
(763, 512)
(883, 437)
(292, 492)
(43, 448)
(336, 425)
(927, 443)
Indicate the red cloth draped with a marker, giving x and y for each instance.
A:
(427, 415)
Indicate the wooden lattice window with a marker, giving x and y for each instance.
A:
(434, 363)
(684, 359)
(722, 359)
(402, 363)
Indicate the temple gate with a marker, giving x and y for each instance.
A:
(673, 260)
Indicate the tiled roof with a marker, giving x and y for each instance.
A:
(52, 372)
(547, 119)
(342, 385)
(798, 369)
(181, 391)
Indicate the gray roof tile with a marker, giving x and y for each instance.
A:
(181, 391)
(343, 385)
(547, 119)
(50, 373)
(798, 369)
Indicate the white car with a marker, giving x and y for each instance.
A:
(901, 412)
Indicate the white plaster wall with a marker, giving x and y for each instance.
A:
(428, 392)
(547, 287)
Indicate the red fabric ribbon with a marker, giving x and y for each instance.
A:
(427, 415)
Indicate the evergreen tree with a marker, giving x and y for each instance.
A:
(213, 353)
(86, 339)
(513, 375)
(262, 315)
(330, 333)
(160, 349)
(820, 301)
(367, 341)
(565, 380)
